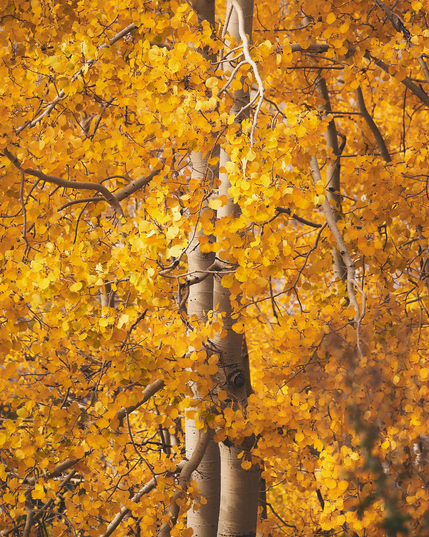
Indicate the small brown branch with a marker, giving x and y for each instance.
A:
(94, 199)
(80, 185)
(135, 185)
(371, 124)
(144, 490)
(396, 21)
(418, 92)
(57, 471)
(297, 218)
(29, 519)
(147, 394)
(123, 33)
(313, 47)
(24, 214)
(185, 475)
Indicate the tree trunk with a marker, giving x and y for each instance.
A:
(239, 487)
(200, 301)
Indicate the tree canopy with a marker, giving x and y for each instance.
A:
(292, 155)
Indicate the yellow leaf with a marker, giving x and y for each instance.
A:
(123, 319)
(299, 437)
(76, 287)
(331, 18)
(212, 82)
(174, 251)
(215, 204)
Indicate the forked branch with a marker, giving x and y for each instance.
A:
(252, 63)
(80, 185)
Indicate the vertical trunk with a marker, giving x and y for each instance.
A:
(239, 496)
(239, 487)
(203, 521)
(200, 301)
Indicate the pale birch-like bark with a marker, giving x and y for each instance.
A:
(200, 301)
(332, 175)
(204, 520)
(239, 487)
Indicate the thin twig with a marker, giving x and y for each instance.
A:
(24, 214)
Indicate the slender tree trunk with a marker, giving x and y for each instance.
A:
(200, 301)
(204, 520)
(239, 487)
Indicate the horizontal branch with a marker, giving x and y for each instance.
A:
(57, 471)
(285, 210)
(80, 185)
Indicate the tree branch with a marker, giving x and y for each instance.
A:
(396, 21)
(246, 53)
(350, 266)
(144, 490)
(418, 92)
(297, 218)
(371, 124)
(185, 475)
(108, 196)
(147, 394)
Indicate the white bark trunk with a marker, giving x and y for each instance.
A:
(239, 487)
(200, 301)
(239, 495)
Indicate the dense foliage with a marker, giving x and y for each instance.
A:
(102, 106)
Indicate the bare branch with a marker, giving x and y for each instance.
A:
(249, 60)
(108, 196)
(297, 218)
(144, 490)
(147, 394)
(313, 47)
(371, 124)
(136, 185)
